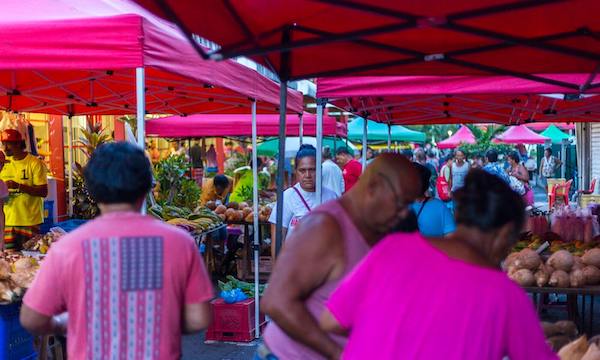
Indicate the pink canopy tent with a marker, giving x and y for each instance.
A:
(462, 99)
(541, 126)
(462, 136)
(210, 125)
(520, 135)
(79, 57)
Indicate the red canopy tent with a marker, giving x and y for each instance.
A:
(520, 135)
(462, 136)
(383, 37)
(80, 57)
(239, 125)
(437, 37)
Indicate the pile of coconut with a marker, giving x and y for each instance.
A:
(561, 270)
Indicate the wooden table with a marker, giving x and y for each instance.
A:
(209, 255)
(249, 244)
(585, 293)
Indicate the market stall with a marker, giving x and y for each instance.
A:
(219, 125)
(101, 57)
(520, 135)
(381, 132)
(461, 136)
(522, 42)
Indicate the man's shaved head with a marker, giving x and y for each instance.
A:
(384, 192)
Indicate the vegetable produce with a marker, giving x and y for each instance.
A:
(577, 263)
(574, 350)
(528, 259)
(523, 277)
(42, 243)
(233, 283)
(592, 275)
(560, 279)
(542, 276)
(593, 353)
(577, 278)
(221, 209)
(567, 328)
(561, 260)
(557, 342)
(592, 257)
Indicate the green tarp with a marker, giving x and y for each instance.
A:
(378, 132)
(555, 134)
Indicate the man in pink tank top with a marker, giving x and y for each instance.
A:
(324, 247)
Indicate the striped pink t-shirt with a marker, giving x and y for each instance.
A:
(124, 279)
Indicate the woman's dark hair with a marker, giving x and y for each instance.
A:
(549, 150)
(487, 203)
(118, 173)
(343, 151)
(515, 156)
(327, 154)
(221, 181)
(492, 155)
(462, 151)
(425, 175)
(305, 150)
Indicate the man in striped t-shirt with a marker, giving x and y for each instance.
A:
(130, 284)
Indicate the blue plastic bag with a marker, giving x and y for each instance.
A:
(233, 296)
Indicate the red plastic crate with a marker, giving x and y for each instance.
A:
(233, 322)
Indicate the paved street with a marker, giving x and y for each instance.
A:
(195, 348)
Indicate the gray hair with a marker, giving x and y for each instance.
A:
(327, 153)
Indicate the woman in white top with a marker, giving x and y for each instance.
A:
(460, 168)
(333, 178)
(301, 198)
(548, 166)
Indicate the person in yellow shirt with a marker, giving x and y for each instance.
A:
(217, 189)
(25, 177)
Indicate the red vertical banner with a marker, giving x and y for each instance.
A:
(57, 162)
(119, 134)
(220, 155)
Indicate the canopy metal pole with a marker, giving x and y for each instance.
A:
(301, 129)
(256, 225)
(70, 162)
(284, 77)
(389, 142)
(319, 183)
(563, 159)
(364, 145)
(280, 168)
(140, 96)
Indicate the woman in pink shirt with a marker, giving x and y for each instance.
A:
(413, 298)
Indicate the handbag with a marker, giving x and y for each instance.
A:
(443, 187)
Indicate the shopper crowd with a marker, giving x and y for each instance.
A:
(404, 254)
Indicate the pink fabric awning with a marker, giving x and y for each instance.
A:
(460, 99)
(520, 135)
(203, 125)
(79, 57)
(462, 136)
(541, 126)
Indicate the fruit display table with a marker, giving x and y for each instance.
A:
(580, 303)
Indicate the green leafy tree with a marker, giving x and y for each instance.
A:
(174, 187)
(485, 137)
(84, 207)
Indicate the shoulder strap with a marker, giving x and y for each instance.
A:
(302, 198)
(422, 207)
